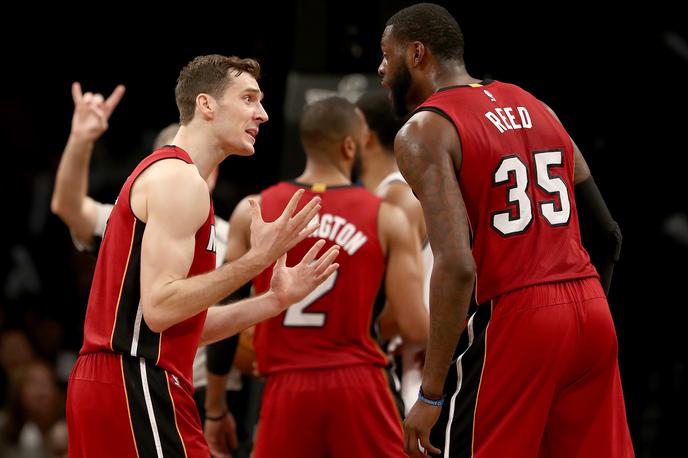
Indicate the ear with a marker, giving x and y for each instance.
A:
(349, 147)
(418, 52)
(206, 105)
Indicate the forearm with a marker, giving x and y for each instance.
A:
(600, 233)
(215, 399)
(181, 299)
(226, 320)
(71, 181)
(451, 288)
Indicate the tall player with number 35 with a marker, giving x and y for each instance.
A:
(495, 173)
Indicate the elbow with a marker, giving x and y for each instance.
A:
(56, 206)
(417, 335)
(460, 267)
(152, 316)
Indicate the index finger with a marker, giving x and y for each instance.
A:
(114, 99)
(293, 202)
(76, 92)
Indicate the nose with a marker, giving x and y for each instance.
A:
(261, 114)
(381, 69)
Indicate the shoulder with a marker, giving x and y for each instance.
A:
(425, 131)
(176, 188)
(391, 216)
(241, 216)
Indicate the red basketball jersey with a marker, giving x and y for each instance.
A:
(333, 326)
(114, 320)
(516, 177)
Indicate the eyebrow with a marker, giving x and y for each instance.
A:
(255, 91)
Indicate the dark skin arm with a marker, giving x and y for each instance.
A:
(428, 154)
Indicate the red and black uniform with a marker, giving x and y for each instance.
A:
(541, 375)
(130, 392)
(326, 392)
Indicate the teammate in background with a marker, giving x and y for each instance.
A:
(155, 277)
(495, 172)
(325, 391)
(380, 175)
(86, 218)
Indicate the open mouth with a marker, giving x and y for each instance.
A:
(252, 132)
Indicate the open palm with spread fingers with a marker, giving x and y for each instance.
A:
(272, 240)
(291, 284)
(92, 112)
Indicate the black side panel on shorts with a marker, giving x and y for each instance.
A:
(162, 428)
(466, 372)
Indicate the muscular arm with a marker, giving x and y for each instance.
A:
(425, 149)
(404, 275)
(401, 195)
(174, 201)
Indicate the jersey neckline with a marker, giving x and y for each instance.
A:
(322, 187)
(484, 82)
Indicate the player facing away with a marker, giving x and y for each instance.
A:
(130, 391)
(495, 173)
(325, 392)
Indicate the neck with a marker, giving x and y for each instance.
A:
(377, 165)
(198, 144)
(446, 74)
(324, 172)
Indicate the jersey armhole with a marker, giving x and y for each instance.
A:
(440, 112)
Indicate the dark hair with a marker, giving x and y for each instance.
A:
(380, 117)
(208, 74)
(433, 26)
(327, 122)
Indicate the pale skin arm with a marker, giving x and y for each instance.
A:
(403, 276)
(172, 189)
(428, 152)
(70, 200)
(401, 196)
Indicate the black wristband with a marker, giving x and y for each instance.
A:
(219, 417)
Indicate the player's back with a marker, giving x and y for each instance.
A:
(333, 325)
(516, 178)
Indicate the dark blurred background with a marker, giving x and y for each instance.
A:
(615, 79)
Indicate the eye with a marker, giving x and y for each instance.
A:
(249, 98)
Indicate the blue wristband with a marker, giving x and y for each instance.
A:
(433, 402)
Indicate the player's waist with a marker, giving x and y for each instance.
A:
(96, 364)
(271, 366)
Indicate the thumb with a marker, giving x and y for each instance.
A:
(255, 210)
(281, 261)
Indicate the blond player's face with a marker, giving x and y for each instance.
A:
(240, 113)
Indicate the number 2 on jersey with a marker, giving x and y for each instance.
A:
(296, 316)
(517, 195)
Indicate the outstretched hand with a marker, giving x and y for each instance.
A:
(272, 240)
(291, 284)
(92, 112)
(419, 421)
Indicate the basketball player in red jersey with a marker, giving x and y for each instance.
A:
(326, 392)
(130, 392)
(495, 173)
